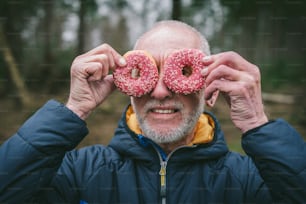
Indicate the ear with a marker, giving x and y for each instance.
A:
(211, 102)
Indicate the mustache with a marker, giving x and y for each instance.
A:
(157, 103)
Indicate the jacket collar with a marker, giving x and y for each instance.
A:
(208, 143)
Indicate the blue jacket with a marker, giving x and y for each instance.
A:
(39, 164)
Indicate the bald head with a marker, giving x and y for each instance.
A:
(173, 33)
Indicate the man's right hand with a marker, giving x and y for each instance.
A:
(91, 83)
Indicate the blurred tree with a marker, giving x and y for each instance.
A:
(13, 15)
(22, 92)
(114, 29)
(81, 31)
(272, 33)
(47, 64)
(176, 9)
(85, 7)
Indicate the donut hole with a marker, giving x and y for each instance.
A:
(187, 71)
(135, 73)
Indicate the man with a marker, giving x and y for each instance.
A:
(165, 150)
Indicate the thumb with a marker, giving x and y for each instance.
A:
(109, 81)
(104, 89)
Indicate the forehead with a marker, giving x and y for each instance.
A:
(163, 39)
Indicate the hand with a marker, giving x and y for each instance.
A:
(239, 82)
(91, 83)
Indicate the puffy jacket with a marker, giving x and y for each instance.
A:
(38, 164)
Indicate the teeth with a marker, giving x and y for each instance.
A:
(163, 111)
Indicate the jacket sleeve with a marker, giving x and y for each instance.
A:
(279, 153)
(30, 158)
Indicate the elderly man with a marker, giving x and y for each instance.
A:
(165, 149)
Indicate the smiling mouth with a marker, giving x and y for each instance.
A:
(164, 111)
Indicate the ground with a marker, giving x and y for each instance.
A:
(103, 121)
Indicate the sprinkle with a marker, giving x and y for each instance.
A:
(139, 76)
(175, 79)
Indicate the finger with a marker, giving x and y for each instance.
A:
(231, 59)
(96, 58)
(101, 49)
(208, 59)
(93, 71)
(103, 59)
(117, 59)
(104, 87)
(224, 86)
(110, 81)
(105, 65)
(224, 72)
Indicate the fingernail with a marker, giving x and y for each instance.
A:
(207, 58)
(204, 71)
(122, 61)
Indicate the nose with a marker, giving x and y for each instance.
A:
(161, 91)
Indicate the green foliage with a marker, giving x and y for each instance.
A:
(281, 72)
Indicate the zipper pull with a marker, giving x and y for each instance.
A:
(162, 174)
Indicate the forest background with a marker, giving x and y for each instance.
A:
(40, 38)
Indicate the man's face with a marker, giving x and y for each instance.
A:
(163, 116)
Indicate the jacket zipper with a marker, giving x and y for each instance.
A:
(163, 171)
(163, 158)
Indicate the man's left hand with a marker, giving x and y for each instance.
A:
(239, 81)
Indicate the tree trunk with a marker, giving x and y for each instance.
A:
(47, 70)
(81, 31)
(15, 75)
(176, 9)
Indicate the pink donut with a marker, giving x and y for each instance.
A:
(139, 76)
(183, 71)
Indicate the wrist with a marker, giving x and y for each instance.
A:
(78, 111)
(254, 124)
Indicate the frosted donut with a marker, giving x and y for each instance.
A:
(183, 71)
(139, 76)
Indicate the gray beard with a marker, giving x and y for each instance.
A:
(174, 134)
